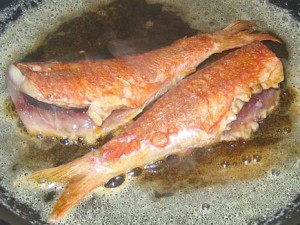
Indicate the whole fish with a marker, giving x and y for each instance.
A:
(89, 99)
(223, 101)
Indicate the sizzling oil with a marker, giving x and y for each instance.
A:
(127, 27)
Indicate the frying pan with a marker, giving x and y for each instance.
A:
(15, 212)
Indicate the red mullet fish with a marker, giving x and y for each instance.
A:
(223, 101)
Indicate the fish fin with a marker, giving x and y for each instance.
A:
(78, 178)
(240, 33)
(78, 187)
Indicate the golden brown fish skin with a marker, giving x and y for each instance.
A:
(193, 114)
(132, 81)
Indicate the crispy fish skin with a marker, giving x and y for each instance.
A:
(196, 113)
(128, 83)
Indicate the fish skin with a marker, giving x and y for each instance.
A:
(195, 113)
(129, 82)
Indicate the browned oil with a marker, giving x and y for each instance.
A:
(123, 27)
(10, 108)
(127, 27)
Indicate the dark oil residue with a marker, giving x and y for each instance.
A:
(50, 196)
(128, 27)
(123, 27)
(10, 108)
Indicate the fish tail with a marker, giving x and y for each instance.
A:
(240, 33)
(78, 180)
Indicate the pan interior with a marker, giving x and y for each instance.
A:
(267, 183)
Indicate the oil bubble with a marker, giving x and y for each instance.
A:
(246, 159)
(287, 130)
(279, 130)
(115, 181)
(65, 141)
(155, 166)
(92, 148)
(256, 158)
(205, 206)
(225, 164)
(275, 172)
(135, 172)
(80, 139)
